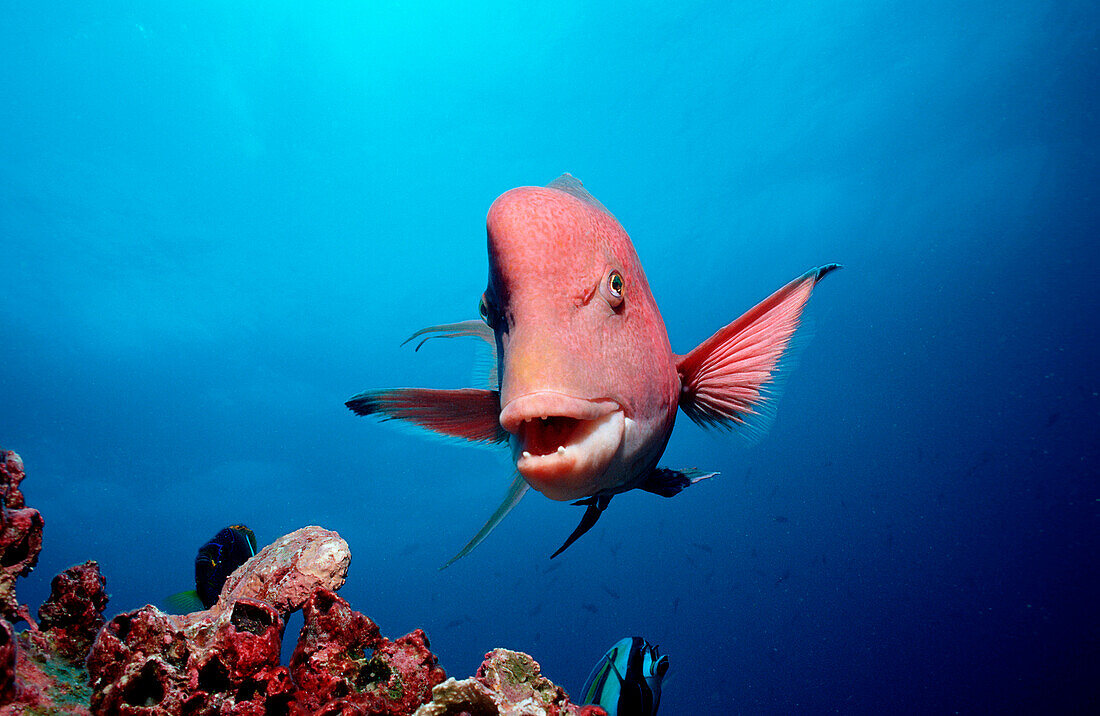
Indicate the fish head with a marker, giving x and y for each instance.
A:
(588, 384)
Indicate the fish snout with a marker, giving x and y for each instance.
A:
(563, 445)
(546, 404)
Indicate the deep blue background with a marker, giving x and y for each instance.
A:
(218, 224)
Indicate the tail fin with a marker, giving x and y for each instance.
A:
(183, 602)
(725, 380)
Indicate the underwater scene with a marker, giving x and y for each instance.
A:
(753, 363)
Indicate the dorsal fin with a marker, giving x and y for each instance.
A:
(573, 186)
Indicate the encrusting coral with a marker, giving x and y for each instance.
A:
(225, 660)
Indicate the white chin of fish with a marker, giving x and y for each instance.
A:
(579, 462)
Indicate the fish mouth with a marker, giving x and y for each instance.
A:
(563, 445)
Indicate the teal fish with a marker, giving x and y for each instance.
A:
(627, 680)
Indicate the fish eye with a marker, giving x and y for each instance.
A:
(613, 288)
(483, 310)
(615, 284)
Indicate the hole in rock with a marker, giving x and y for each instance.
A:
(145, 688)
(122, 626)
(214, 677)
(250, 618)
(373, 672)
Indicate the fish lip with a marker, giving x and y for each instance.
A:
(550, 402)
(589, 434)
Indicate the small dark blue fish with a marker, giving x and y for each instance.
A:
(627, 680)
(216, 560)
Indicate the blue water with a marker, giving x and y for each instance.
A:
(218, 223)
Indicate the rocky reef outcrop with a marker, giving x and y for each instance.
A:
(226, 660)
(509, 683)
(20, 536)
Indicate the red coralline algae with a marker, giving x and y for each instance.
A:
(20, 536)
(7, 663)
(70, 619)
(331, 648)
(142, 664)
(343, 665)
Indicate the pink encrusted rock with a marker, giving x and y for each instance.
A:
(509, 683)
(284, 574)
(225, 659)
(7, 663)
(343, 665)
(140, 664)
(72, 616)
(11, 474)
(20, 536)
(289, 570)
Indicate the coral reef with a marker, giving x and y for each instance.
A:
(226, 660)
(230, 664)
(509, 683)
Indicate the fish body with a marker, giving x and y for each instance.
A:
(580, 342)
(217, 559)
(626, 681)
(587, 386)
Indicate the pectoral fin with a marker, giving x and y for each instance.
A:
(468, 413)
(596, 505)
(515, 493)
(463, 329)
(728, 379)
(473, 329)
(669, 483)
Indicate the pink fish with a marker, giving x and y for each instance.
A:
(586, 383)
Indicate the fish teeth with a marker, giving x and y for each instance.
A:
(561, 450)
(526, 454)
